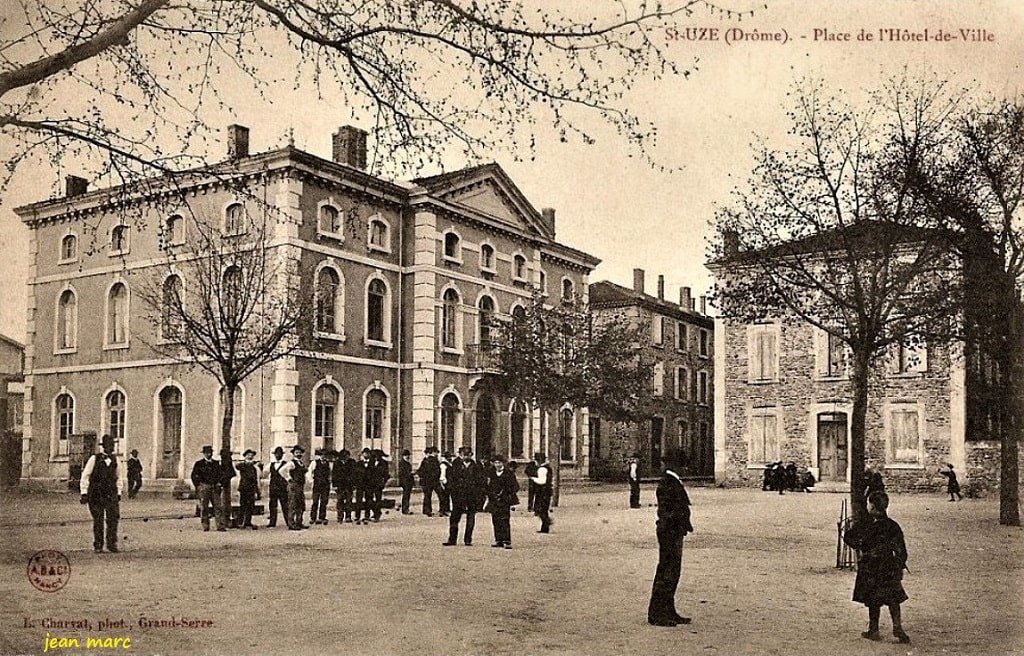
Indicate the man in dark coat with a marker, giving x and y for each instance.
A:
(206, 477)
(502, 489)
(543, 486)
(381, 473)
(673, 525)
(430, 479)
(248, 486)
(134, 466)
(278, 488)
(363, 480)
(467, 486)
(405, 480)
(343, 479)
(633, 474)
(320, 470)
(952, 485)
(101, 489)
(883, 557)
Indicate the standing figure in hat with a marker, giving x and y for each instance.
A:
(278, 488)
(363, 481)
(206, 477)
(633, 474)
(405, 480)
(673, 525)
(248, 486)
(101, 489)
(343, 479)
(320, 469)
(542, 494)
(294, 471)
(430, 479)
(502, 489)
(381, 474)
(467, 484)
(134, 466)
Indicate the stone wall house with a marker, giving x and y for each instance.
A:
(12, 367)
(680, 341)
(403, 278)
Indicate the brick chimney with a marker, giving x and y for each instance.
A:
(638, 280)
(548, 214)
(730, 242)
(684, 298)
(75, 186)
(349, 147)
(238, 141)
(703, 304)
(661, 288)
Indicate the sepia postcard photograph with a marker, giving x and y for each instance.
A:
(527, 327)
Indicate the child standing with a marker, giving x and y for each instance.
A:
(952, 485)
(883, 556)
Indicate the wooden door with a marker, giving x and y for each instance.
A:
(832, 447)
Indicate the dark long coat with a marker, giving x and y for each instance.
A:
(883, 556)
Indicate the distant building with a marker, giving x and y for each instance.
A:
(405, 278)
(680, 341)
(12, 390)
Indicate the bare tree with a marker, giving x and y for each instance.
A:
(828, 233)
(108, 76)
(225, 301)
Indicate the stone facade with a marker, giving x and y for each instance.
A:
(680, 341)
(439, 252)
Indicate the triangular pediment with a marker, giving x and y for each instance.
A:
(488, 190)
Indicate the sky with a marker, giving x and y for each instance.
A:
(611, 203)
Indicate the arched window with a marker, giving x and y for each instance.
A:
(329, 220)
(325, 409)
(117, 314)
(69, 248)
(169, 446)
(450, 412)
(567, 435)
(449, 319)
(65, 421)
(234, 219)
(170, 325)
(543, 283)
(567, 289)
(67, 320)
(486, 317)
(519, 313)
(175, 229)
(376, 406)
(231, 293)
(518, 426)
(487, 257)
(115, 407)
(376, 303)
(378, 237)
(329, 302)
(119, 239)
(519, 267)
(452, 247)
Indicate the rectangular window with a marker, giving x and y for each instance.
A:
(658, 384)
(832, 355)
(905, 436)
(913, 356)
(682, 432)
(705, 347)
(658, 330)
(702, 387)
(763, 438)
(682, 336)
(595, 437)
(682, 384)
(374, 423)
(324, 425)
(763, 354)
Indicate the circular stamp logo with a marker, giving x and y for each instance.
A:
(49, 570)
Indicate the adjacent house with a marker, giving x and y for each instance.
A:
(12, 367)
(405, 279)
(680, 342)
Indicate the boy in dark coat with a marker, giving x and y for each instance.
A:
(952, 485)
(883, 556)
(248, 486)
(405, 480)
(502, 487)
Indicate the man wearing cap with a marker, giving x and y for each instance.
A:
(673, 525)
(206, 477)
(405, 480)
(134, 466)
(343, 479)
(430, 479)
(320, 470)
(248, 486)
(467, 485)
(101, 489)
(542, 496)
(294, 471)
(633, 474)
(278, 488)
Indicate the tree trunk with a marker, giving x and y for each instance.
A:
(1009, 490)
(858, 423)
(228, 404)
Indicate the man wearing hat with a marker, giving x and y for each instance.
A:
(673, 525)
(467, 484)
(542, 494)
(134, 466)
(633, 474)
(248, 486)
(101, 489)
(278, 488)
(430, 479)
(320, 470)
(206, 477)
(405, 480)
(343, 476)
(363, 481)
(294, 471)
